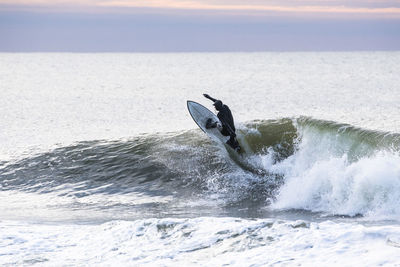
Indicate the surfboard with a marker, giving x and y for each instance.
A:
(200, 115)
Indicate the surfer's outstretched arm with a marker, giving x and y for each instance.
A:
(209, 97)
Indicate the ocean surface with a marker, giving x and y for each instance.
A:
(102, 165)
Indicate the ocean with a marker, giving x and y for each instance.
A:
(102, 165)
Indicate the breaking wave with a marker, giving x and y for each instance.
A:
(289, 164)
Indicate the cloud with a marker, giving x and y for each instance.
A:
(201, 5)
(382, 7)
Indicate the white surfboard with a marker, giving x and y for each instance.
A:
(200, 115)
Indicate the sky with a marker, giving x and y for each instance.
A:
(198, 25)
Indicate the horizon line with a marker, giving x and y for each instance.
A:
(202, 52)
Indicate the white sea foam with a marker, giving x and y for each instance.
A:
(201, 241)
(320, 177)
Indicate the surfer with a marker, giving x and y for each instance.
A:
(226, 119)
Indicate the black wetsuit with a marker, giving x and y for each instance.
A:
(226, 119)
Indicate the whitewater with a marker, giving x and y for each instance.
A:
(101, 163)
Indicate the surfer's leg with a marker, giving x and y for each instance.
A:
(224, 132)
(233, 143)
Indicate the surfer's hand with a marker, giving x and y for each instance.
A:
(205, 95)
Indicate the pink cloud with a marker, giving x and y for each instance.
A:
(383, 7)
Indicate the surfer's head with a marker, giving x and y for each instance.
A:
(218, 105)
